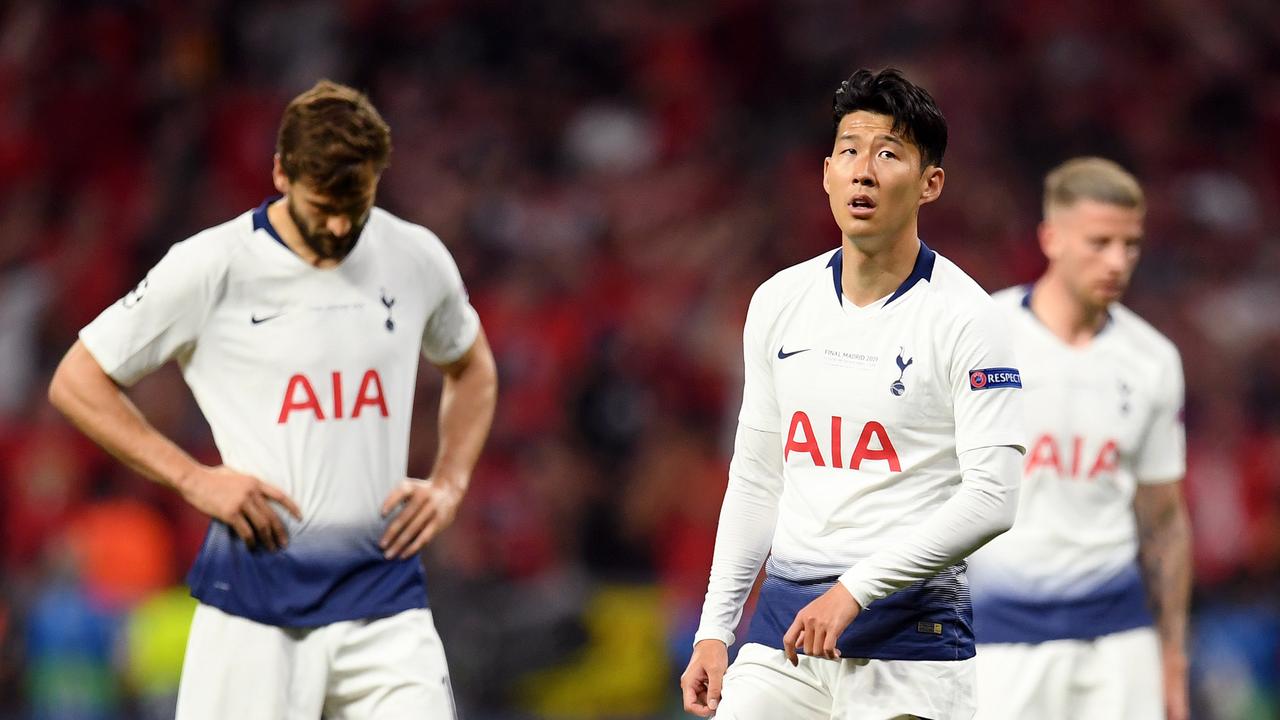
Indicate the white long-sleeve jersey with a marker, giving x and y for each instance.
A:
(877, 447)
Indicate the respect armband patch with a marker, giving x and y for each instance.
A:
(1001, 377)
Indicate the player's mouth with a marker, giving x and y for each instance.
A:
(861, 206)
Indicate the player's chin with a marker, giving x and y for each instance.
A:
(855, 227)
(1106, 294)
(334, 248)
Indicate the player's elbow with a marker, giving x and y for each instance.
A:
(1004, 509)
(66, 387)
(60, 394)
(997, 507)
(993, 476)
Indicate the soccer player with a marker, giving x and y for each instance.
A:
(877, 446)
(1061, 601)
(298, 328)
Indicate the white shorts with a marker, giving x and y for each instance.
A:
(1114, 677)
(391, 667)
(762, 685)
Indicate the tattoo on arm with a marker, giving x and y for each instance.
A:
(1164, 547)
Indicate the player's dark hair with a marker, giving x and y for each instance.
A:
(915, 115)
(333, 137)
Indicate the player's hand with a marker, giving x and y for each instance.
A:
(429, 507)
(702, 680)
(240, 501)
(1176, 703)
(818, 625)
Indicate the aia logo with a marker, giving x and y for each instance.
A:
(873, 444)
(1047, 454)
(300, 396)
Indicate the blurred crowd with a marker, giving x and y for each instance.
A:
(614, 180)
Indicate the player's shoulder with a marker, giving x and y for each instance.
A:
(957, 294)
(410, 240)
(407, 235)
(1011, 298)
(789, 284)
(1142, 335)
(212, 250)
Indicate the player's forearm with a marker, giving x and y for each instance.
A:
(983, 508)
(92, 401)
(1164, 550)
(466, 413)
(745, 532)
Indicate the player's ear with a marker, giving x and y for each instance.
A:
(826, 165)
(1045, 234)
(278, 176)
(931, 181)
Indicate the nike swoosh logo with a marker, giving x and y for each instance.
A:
(256, 320)
(784, 355)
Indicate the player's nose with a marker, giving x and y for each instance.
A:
(1116, 257)
(863, 171)
(338, 225)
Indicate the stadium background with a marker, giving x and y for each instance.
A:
(614, 179)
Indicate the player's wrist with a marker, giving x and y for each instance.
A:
(186, 479)
(712, 645)
(724, 637)
(452, 481)
(858, 588)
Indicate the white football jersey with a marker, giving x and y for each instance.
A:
(874, 404)
(306, 377)
(1100, 420)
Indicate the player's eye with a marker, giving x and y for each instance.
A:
(888, 154)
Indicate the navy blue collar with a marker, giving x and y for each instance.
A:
(922, 270)
(261, 222)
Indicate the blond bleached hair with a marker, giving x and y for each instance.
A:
(1091, 178)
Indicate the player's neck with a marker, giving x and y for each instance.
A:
(282, 221)
(1058, 309)
(872, 270)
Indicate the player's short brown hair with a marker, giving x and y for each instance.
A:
(332, 137)
(1091, 178)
